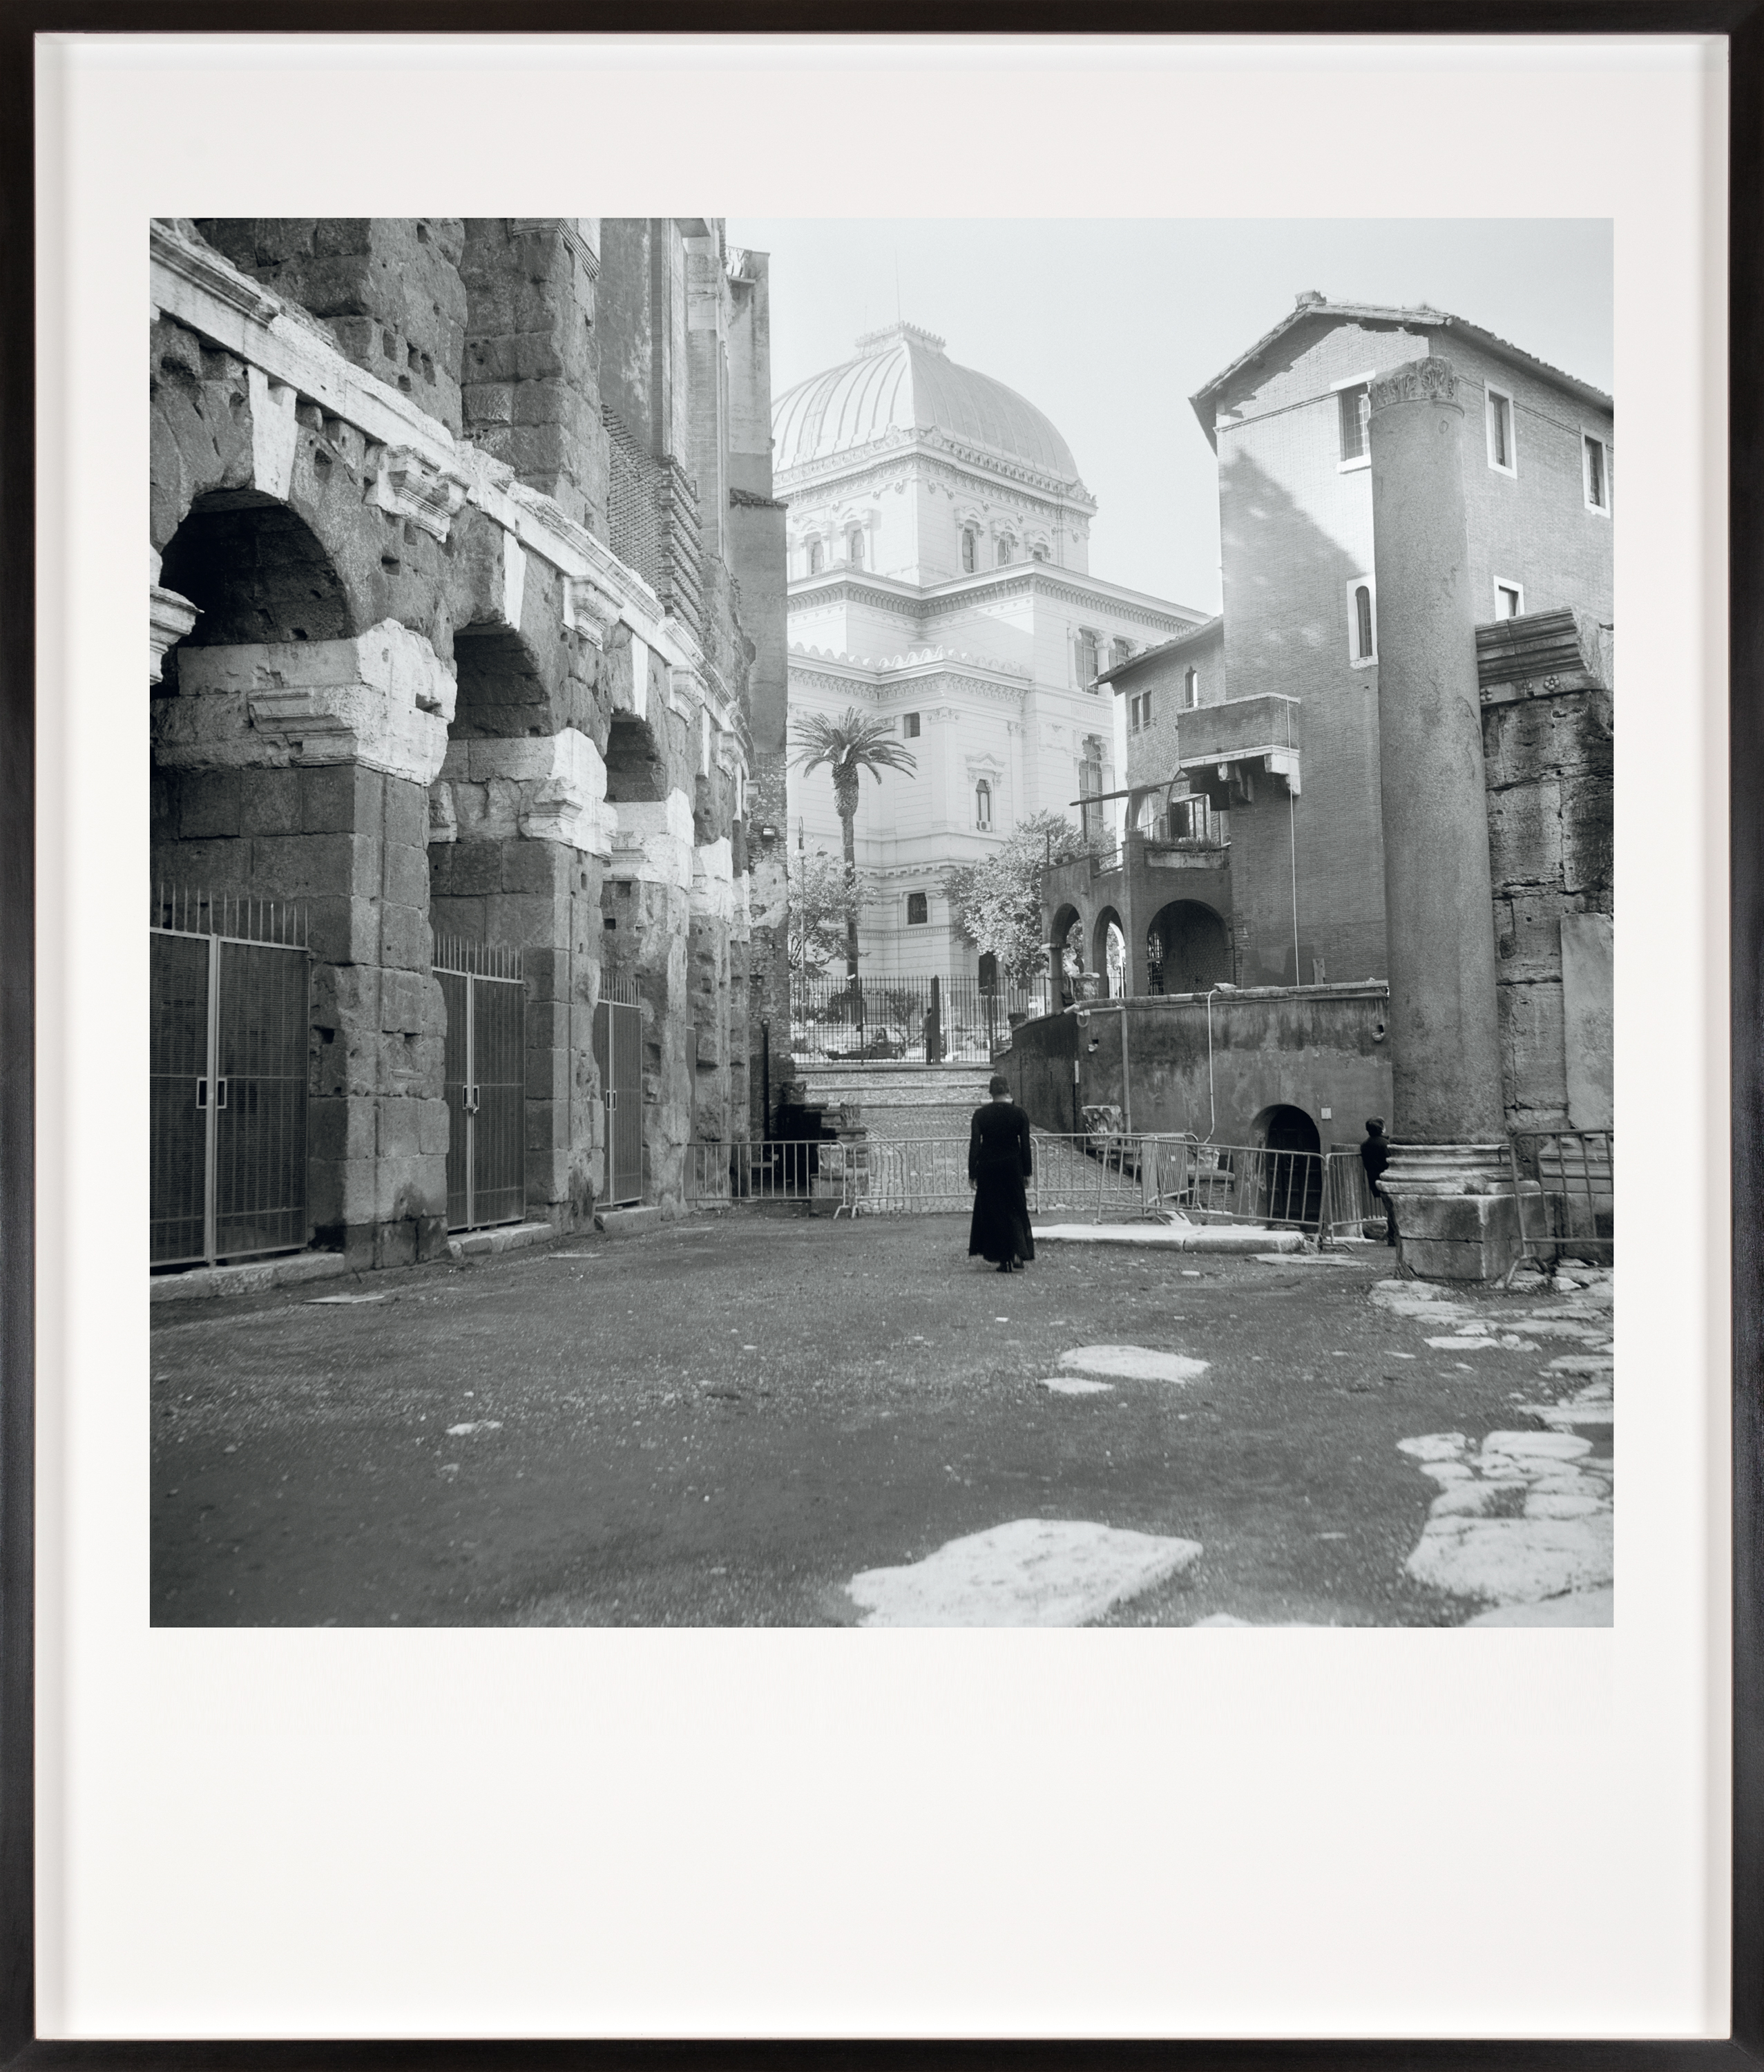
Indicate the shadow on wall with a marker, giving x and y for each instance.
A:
(1288, 594)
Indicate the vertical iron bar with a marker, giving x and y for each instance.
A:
(210, 1118)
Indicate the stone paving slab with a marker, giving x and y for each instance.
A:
(1173, 1237)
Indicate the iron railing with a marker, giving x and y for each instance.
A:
(1565, 1188)
(882, 1021)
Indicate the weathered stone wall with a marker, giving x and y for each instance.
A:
(387, 287)
(397, 681)
(1547, 751)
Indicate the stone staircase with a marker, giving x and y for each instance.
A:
(897, 1100)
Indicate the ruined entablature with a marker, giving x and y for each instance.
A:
(712, 880)
(384, 699)
(1428, 380)
(169, 618)
(653, 842)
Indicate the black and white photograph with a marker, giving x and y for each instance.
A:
(721, 786)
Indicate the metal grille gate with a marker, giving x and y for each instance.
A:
(485, 992)
(229, 1024)
(619, 1054)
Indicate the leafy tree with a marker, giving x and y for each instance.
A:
(852, 743)
(996, 901)
(820, 904)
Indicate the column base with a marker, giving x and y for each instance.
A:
(1455, 1217)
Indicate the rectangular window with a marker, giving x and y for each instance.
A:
(916, 910)
(1598, 473)
(909, 726)
(1191, 687)
(1362, 621)
(1087, 659)
(1355, 405)
(1509, 599)
(1139, 709)
(1502, 454)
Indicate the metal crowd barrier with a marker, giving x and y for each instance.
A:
(1565, 1187)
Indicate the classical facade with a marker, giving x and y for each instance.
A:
(466, 659)
(939, 581)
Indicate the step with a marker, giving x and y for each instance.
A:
(1167, 1237)
(504, 1237)
(250, 1277)
(627, 1223)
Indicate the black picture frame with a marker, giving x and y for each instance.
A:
(1742, 21)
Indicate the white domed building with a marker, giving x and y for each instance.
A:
(939, 556)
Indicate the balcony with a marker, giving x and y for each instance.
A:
(1223, 749)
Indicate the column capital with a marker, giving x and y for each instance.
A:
(1428, 380)
(169, 618)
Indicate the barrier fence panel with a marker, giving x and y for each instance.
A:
(1565, 1187)
(775, 1171)
(884, 1021)
(484, 1077)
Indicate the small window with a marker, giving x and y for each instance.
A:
(1139, 711)
(1119, 652)
(1597, 469)
(1037, 553)
(1509, 600)
(1501, 455)
(854, 546)
(909, 726)
(1362, 621)
(1355, 405)
(970, 550)
(814, 557)
(1004, 553)
(983, 804)
(1191, 687)
(918, 912)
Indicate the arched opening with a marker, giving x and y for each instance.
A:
(1067, 931)
(983, 806)
(1108, 952)
(1291, 1189)
(635, 774)
(854, 546)
(501, 696)
(257, 573)
(1187, 948)
(970, 550)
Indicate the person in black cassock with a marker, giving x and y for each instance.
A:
(999, 1160)
(1374, 1155)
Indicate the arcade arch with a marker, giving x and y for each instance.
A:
(1187, 948)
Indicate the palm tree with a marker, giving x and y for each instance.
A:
(847, 745)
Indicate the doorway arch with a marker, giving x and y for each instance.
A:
(1108, 952)
(256, 573)
(1291, 1186)
(1187, 948)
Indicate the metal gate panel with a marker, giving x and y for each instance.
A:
(179, 1125)
(484, 990)
(259, 1121)
(499, 1184)
(619, 1056)
(456, 1071)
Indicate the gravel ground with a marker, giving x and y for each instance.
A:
(721, 1422)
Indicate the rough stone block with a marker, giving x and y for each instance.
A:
(411, 1186)
(433, 1128)
(406, 881)
(309, 866)
(399, 1123)
(339, 1131)
(536, 866)
(465, 870)
(1457, 1237)
(404, 938)
(405, 1000)
(206, 804)
(270, 802)
(406, 813)
(340, 1192)
(340, 798)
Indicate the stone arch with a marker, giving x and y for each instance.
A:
(1109, 950)
(1187, 947)
(257, 573)
(1066, 932)
(636, 769)
(502, 693)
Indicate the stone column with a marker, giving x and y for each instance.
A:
(1455, 1214)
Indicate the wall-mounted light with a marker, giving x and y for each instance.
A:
(768, 834)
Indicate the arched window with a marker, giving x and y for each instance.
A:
(970, 550)
(854, 546)
(1365, 636)
(1191, 687)
(917, 912)
(814, 557)
(983, 804)
(1004, 553)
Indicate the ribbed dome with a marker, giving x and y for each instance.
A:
(902, 380)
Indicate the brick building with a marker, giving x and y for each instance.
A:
(468, 668)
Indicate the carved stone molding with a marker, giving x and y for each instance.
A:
(588, 609)
(429, 494)
(1429, 380)
(169, 618)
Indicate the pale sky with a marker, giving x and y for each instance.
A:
(1109, 326)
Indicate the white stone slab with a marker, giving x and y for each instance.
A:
(1134, 1363)
(1033, 1572)
(1074, 1384)
(1172, 1237)
(1514, 1561)
(1578, 1607)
